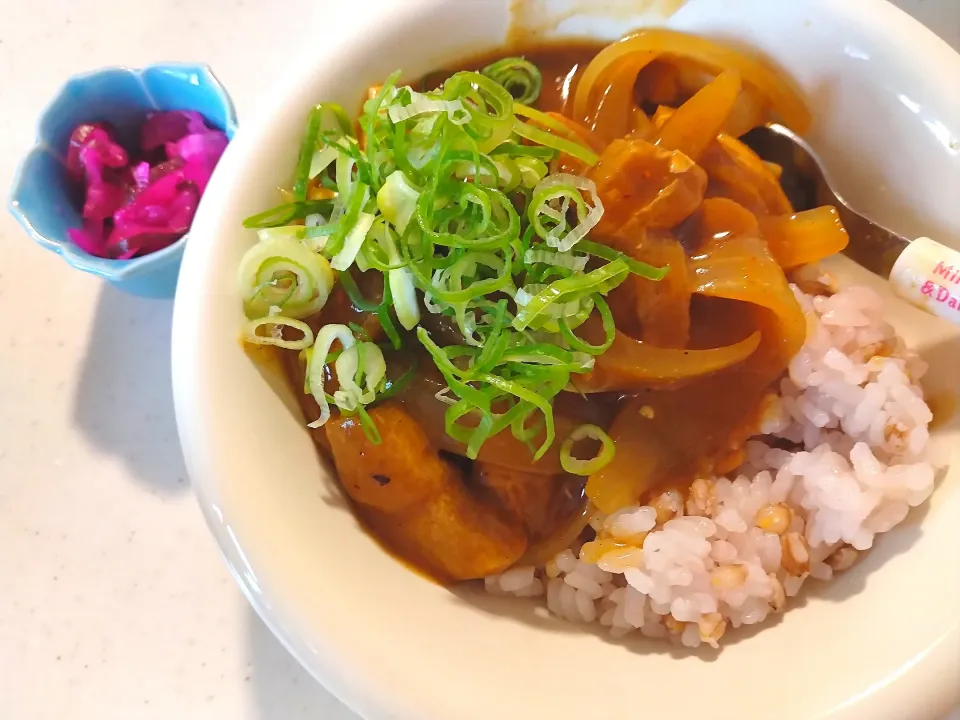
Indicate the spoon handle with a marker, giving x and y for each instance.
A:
(927, 274)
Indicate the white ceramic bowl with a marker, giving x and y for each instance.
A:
(883, 641)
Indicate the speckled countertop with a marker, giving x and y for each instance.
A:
(114, 602)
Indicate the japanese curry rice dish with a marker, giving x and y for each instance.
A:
(561, 332)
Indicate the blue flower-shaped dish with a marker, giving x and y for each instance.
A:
(44, 201)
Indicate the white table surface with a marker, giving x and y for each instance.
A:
(114, 602)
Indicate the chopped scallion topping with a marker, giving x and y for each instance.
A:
(449, 196)
(520, 77)
(586, 467)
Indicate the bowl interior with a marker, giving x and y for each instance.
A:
(394, 645)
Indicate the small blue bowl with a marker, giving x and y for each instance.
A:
(44, 200)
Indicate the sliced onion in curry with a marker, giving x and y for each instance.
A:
(650, 43)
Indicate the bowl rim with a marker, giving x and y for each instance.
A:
(940, 663)
(109, 268)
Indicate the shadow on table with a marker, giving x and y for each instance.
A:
(124, 400)
(281, 687)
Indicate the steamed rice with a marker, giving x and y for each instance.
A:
(730, 551)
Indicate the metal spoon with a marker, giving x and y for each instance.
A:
(921, 271)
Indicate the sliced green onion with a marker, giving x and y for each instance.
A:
(339, 115)
(354, 241)
(472, 437)
(304, 356)
(314, 220)
(531, 170)
(383, 314)
(318, 361)
(500, 172)
(359, 332)
(566, 260)
(518, 425)
(548, 121)
(348, 220)
(581, 152)
(603, 458)
(549, 355)
(568, 188)
(371, 122)
(518, 411)
(276, 323)
(369, 426)
(420, 104)
(272, 294)
(392, 388)
(382, 309)
(404, 295)
(517, 151)
(522, 393)
(495, 342)
(381, 254)
(309, 146)
(636, 267)
(452, 292)
(527, 293)
(284, 232)
(359, 362)
(606, 318)
(356, 297)
(510, 175)
(322, 159)
(518, 76)
(397, 200)
(362, 261)
(316, 235)
(287, 213)
(386, 94)
(601, 280)
(473, 400)
(439, 357)
(269, 265)
(490, 220)
(489, 104)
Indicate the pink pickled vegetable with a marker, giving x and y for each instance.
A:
(89, 238)
(91, 156)
(157, 216)
(201, 151)
(165, 168)
(140, 174)
(164, 127)
(92, 147)
(134, 206)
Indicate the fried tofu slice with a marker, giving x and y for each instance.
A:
(526, 497)
(417, 503)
